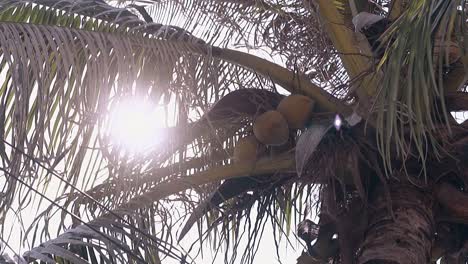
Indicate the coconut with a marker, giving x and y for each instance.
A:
(444, 48)
(296, 109)
(248, 149)
(271, 128)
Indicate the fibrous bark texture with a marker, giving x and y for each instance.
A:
(403, 236)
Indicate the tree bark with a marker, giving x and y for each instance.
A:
(403, 235)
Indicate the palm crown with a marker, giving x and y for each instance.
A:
(396, 152)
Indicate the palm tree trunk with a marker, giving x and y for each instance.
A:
(403, 236)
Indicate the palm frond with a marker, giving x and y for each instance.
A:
(64, 65)
(291, 30)
(411, 102)
(158, 192)
(355, 55)
(60, 83)
(57, 125)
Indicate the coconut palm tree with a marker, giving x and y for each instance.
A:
(364, 158)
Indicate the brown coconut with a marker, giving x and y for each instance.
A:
(271, 128)
(248, 149)
(444, 48)
(296, 109)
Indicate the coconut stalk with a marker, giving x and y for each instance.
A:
(289, 80)
(354, 54)
(278, 164)
(283, 163)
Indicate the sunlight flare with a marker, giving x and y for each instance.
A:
(337, 122)
(135, 125)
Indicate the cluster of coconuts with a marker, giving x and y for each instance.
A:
(272, 128)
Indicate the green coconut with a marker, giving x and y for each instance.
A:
(296, 109)
(271, 128)
(248, 149)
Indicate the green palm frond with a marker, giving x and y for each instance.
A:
(159, 192)
(64, 65)
(283, 27)
(63, 70)
(410, 102)
(57, 88)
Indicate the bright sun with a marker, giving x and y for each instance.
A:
(136, 124)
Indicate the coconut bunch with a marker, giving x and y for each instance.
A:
(272, 128)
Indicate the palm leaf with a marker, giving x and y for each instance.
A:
(417, 102)
(157, 193)
(55, 96)
(290, 29)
